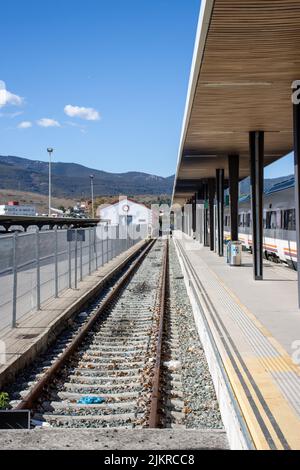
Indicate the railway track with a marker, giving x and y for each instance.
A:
(132, 360)
(106, 373)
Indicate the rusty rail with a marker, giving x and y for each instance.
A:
(155, 397)
(34, 394)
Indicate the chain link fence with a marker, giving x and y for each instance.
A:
(36, 267)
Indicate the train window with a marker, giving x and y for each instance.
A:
(278, 219)
(271, 220)
(240, 220)
(289, 222)
(282, 219)
(249, 220)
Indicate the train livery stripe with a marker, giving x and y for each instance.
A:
(284, 253)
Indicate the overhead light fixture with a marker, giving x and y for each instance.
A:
(233, 84)
(200, 156)
(212, 132)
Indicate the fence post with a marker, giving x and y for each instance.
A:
(76, 254)
(107, 243)
(80, 247)
(113, 243)
(90, 260)
(70, 264)
(56, 262)
(38, 271)
(95, 245)
(15, 280)
(117, 240)
(102, 247)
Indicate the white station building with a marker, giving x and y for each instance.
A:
(16, 209)
(125, 211)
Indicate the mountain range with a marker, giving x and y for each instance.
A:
(73, 180)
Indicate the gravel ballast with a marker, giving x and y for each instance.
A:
(198, 394)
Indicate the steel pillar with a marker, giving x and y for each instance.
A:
(233, 167)
(296, 114)
(220, 210)
(256, 141)
(194, 225)
(205, 216)
(211, 200)
(200, 214)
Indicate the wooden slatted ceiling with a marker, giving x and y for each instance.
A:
(251, 57)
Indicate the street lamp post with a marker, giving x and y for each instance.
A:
(92, 194)
(50, 151)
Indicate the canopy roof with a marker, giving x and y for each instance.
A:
(247, 54)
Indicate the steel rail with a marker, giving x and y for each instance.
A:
(153, 421)
(28, 401)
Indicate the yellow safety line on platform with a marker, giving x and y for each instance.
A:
(261, 368)
(282, 417)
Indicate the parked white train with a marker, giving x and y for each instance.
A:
(279, 236)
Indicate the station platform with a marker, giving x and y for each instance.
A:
(37, 329)
(251, 335)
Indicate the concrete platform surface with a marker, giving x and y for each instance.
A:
(113, 439)
(256, 327)
(20, 345)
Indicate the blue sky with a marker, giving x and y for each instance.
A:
(102, 81)
(121, 67)
(283, 167)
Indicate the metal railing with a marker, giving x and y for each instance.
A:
(36, 267)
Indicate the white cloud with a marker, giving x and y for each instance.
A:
(75, 124)
(8, 98)
(89, 114)
(11, 115)
(25, 125)
(46, 122)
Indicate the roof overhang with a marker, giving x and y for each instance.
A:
(246, 57)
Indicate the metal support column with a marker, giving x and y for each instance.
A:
(15, 279)
(220, 210)
(80, 255)
(256, 141)
(70, 263)
(211, 200)
(90, 250)
(205, 217)
(200, 215)
(38, 271)
(75, 256)
(194, 225)
(56, 264)
(296, 113)
(95, 247)
(233, 167)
